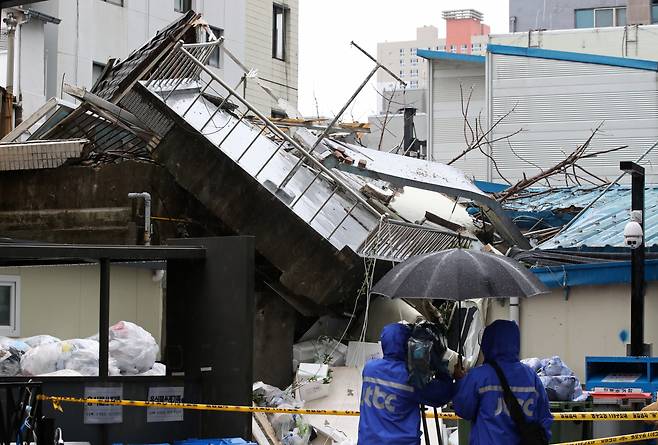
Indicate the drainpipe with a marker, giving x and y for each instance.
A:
(8, 100)
(147, 214)
(19, 84)
(514, 310)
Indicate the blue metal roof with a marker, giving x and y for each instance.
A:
(541, 53)
(444, 55)
(592, 274)
(600, 226)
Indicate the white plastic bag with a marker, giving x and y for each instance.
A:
(40, 340)
(79, 355)
(158, 369)
(133, 349)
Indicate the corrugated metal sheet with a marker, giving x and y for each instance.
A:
(559, 103)
(447, 120)
(600, 226)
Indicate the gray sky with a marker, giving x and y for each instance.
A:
(330, 70)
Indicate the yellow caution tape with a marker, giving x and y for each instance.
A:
(572, 416)
(616, 439)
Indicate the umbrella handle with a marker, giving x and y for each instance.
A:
(460, 347)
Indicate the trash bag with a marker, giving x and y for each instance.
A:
(158, 369)
(10, 361)
(555, 366)
(559, 380)
(39, 340)
(79, 355)
(133, 349)
(533, 363)
(268, 395)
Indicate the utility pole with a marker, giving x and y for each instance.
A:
(638, 348)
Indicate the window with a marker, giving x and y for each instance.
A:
(115, 2)
(96, 71)
(413, 51)
(414, 61)
(453, 49)
(600, 17)
(402, 73)
(437, 48)
(413, 84)
(414, 73)
(401, 62)
(182, 5)
(464, 49)
(215, 58)
(402, 51)
(279, 27)
(10, 291)
(654, 12)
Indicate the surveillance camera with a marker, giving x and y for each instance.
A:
(633, 235)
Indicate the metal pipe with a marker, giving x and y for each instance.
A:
(368, 55)
(514, 309)
(104, 319)
(147, 214)
(325, 133)
(637, 261)
(276, 130)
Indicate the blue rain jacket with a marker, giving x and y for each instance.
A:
(479, 396)
(390, 411)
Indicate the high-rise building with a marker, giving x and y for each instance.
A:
(465, 34)
(527, 15)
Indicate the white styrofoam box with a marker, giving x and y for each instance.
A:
(304, 352)
(313, 390)
(359, 353)
(315, 371)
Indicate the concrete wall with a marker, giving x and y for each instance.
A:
(64, 300)
(583, 321)
(280, 76)
(556, 14)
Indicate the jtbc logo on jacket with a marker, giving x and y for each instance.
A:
(374, 396)
(527, 405)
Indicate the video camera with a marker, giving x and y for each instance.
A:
(427, 353)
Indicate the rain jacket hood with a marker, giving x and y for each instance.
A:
(394, 340)
(501, 341)
(390, 406)
(479, 396)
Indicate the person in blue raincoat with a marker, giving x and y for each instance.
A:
(390, 411)
(479, 395)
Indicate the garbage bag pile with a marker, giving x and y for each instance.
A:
(290, 429)
(132, 352)
(559, 380)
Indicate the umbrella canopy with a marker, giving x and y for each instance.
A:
(458, 274)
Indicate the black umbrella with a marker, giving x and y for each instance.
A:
(458, 274)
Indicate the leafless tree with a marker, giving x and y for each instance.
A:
(567, 167)
(476, 135)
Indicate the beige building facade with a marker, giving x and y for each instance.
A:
(63, 301)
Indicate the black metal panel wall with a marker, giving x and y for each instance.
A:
(209, 319)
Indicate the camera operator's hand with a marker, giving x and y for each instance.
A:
(459, 372)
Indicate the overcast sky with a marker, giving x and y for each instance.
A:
(330, 70)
